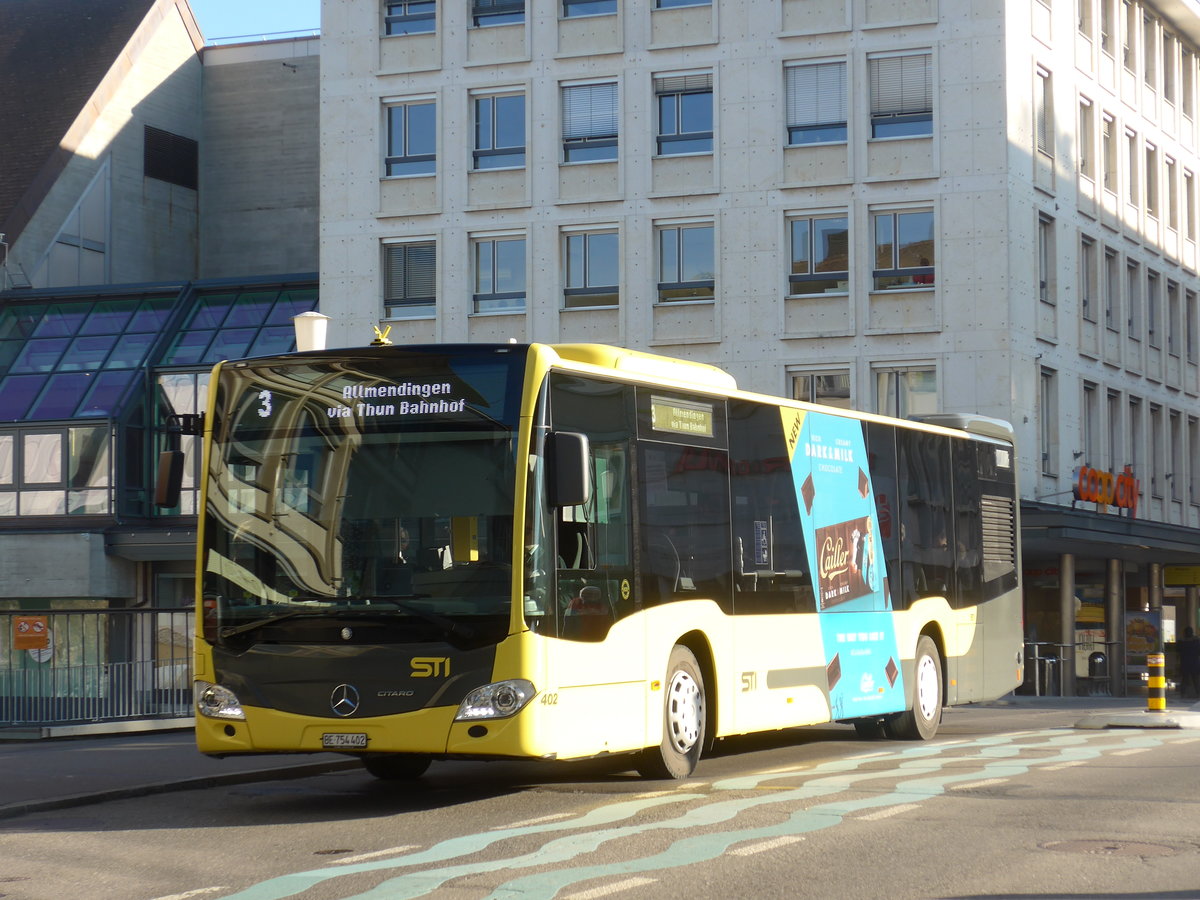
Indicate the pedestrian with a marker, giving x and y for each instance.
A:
(1189, 664)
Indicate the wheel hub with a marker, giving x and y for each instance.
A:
(684, 712)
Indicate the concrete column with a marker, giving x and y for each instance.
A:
(1114, 626)
(1191, 605)
(1155, 577)
(1066, 639)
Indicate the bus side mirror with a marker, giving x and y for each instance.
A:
(169, 483)
(570, 469)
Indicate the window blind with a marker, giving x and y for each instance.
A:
(816, 94)
(683, 84)
(409, 271)
(589, 110)
(901, 85)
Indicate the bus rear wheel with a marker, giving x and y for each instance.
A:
(920, 722)
(398, 767)
(684, 711)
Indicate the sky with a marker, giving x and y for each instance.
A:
(238, 18)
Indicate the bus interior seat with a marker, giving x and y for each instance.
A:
(573, 549)
(663, 568)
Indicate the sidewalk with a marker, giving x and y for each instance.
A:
(60, 773)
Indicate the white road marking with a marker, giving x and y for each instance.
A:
(890, 811)
(987, 782)
(764, 846)
(543, 820)
(614, 888)
(188, 895)
(363, 857)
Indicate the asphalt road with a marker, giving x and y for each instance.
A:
(1006, 802)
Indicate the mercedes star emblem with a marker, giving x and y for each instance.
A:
(344, 700)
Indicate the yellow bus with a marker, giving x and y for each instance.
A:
(567, 551)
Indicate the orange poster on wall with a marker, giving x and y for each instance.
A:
(31, 633)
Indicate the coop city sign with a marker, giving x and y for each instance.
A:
(1106, 489)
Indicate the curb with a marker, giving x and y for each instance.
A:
(13, 810)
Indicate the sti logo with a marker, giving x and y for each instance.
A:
(430, 666)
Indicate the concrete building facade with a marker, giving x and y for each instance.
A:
(907, 206)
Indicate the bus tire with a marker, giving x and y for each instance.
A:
(684, 711)
(920, 722)
(398, 767)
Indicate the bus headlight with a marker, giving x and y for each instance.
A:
(496, 701)
(218, 702)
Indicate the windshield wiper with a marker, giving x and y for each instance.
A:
(446, 624)
(449, 626)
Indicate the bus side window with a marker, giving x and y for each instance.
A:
(926, 522)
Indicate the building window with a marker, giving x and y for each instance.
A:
(1133, 299)
(411, 138)
(1083, 15)
(499, 266)
(904, 249)
(1090, 426)
(56, 471)
(1108, 153)
(1116, 434)
(1193, 427)
(591, 269)
(828, 388)
(901, 95)
(1149, 53)
(1174, 477)
(1087, 278)
(1112, 287)
(1129, 35)
(410, 17)
(573, 9)
(1189, 325)
(1045, 258)
(1152, 194)
(1087, 139)
(685, 113)
(1171, 187)
(686, 269)
(1048, 422)
(497, 12)
(816, 103)
(905, 392)
(1132, 156)
(500, 131)
(1133, 449)
(1174, 318)
(409, 278)
(1156, 450)
(589, 114)
(1189, 205)
(1108, 19)
(820, 255)
(171, 158)
(1168, 62)
(672, 4)
(1043, 113)
(1187, 84)
(1153, 313)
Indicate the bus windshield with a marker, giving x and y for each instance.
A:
(376, 486)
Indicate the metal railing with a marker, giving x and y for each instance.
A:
(94, 665)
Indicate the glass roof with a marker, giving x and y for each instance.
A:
(71, 357)
(234, 323)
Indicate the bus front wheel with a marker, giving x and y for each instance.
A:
(396, 768)
(683, 720)
(920, 722)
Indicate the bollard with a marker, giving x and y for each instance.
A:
(1156, 694)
